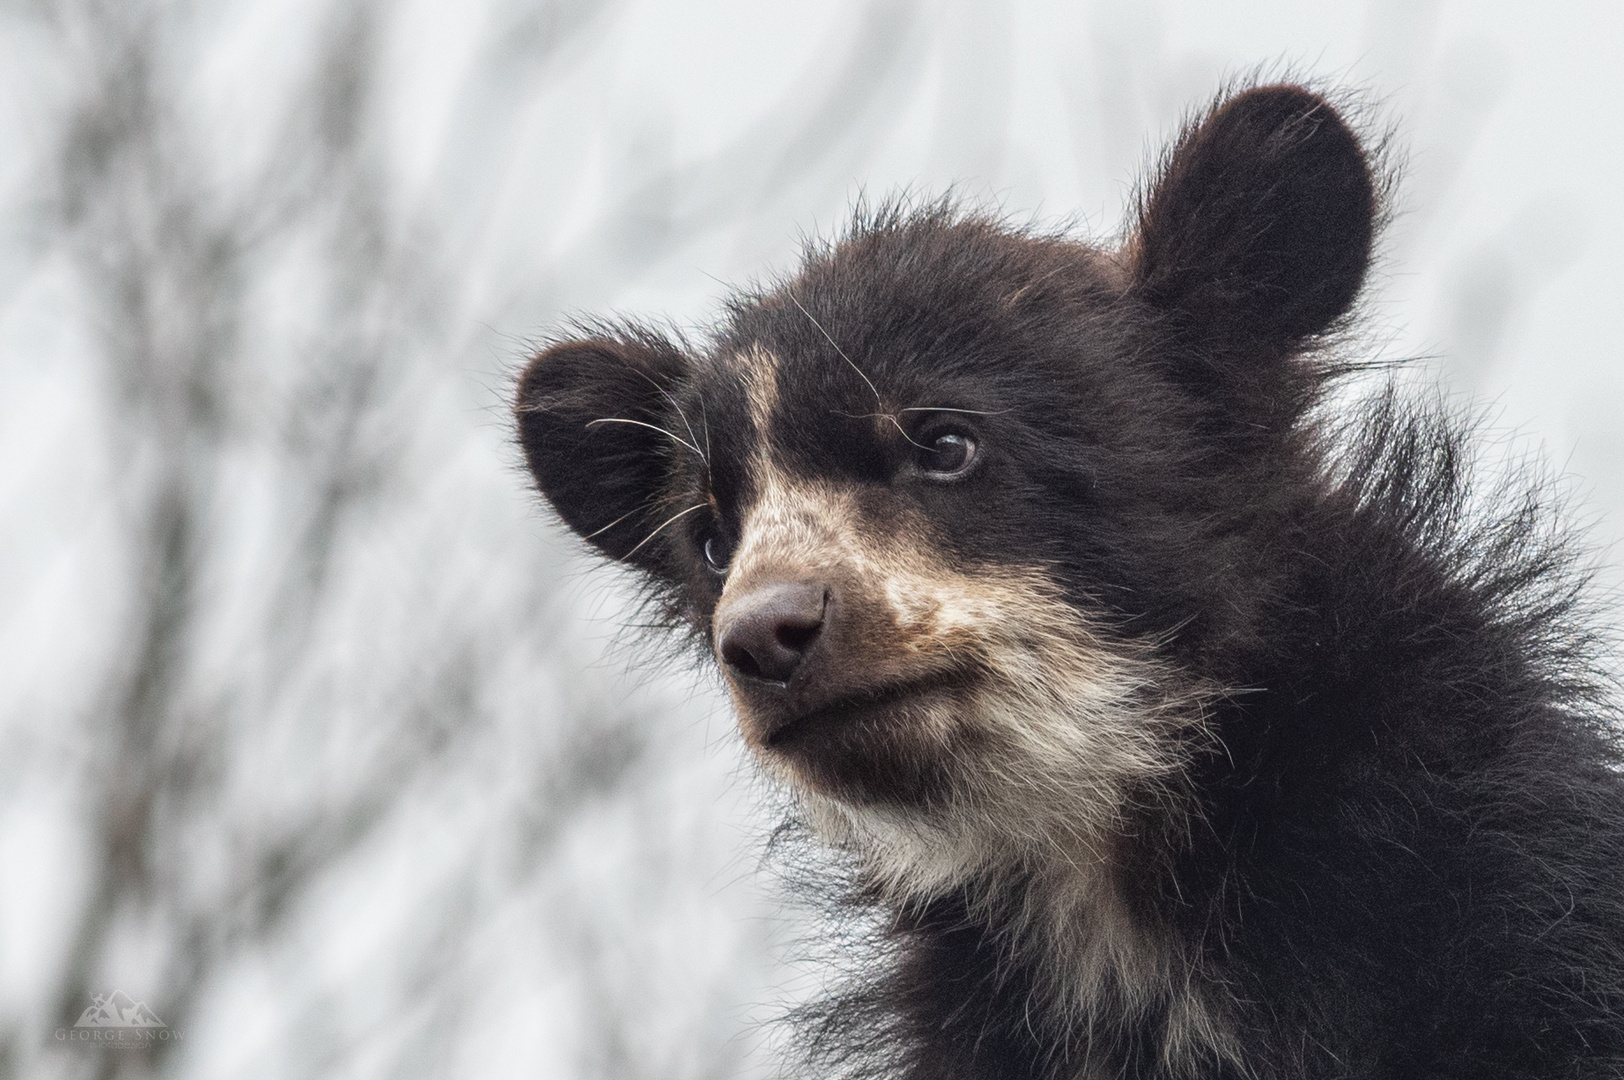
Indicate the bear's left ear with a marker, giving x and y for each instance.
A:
(1259, 226)
(595, 420)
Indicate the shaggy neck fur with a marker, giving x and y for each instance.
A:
(1031, 902)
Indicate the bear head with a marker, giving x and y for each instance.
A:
(976, 520)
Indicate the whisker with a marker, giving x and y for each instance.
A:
(612, 524)
(651, 427)
(663, 392)
(891, 417)
(903, 432)
(684, 418)
(661, 525)
(874, 389)
(971, 412)
(652, 502)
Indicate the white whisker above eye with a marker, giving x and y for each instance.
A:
(944, 409)
(878, 400)
(704, 454)
(652, 427)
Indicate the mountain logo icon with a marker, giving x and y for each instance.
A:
(118, 1010)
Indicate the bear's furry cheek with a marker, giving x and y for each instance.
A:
(944, 716)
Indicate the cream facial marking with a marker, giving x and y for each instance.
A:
(1052, 706)
(1054, 735)
(757, 369)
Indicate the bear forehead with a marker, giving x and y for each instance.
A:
(815, 416)
(936, 306)
(831, 378)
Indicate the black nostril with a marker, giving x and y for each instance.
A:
(767, 633)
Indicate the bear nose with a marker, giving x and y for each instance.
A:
(767, 633)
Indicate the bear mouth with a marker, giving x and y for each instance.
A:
(874, 704)
(880, 745)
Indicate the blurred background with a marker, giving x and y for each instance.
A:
(316, 733)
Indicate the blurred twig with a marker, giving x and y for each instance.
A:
(264, 724)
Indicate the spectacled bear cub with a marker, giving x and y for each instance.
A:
(1177, 727)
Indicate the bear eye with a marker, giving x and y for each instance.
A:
(948, 455)
(718, 553)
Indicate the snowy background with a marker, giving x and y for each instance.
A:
(315, 733)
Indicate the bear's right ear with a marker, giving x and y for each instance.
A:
(594, 417)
